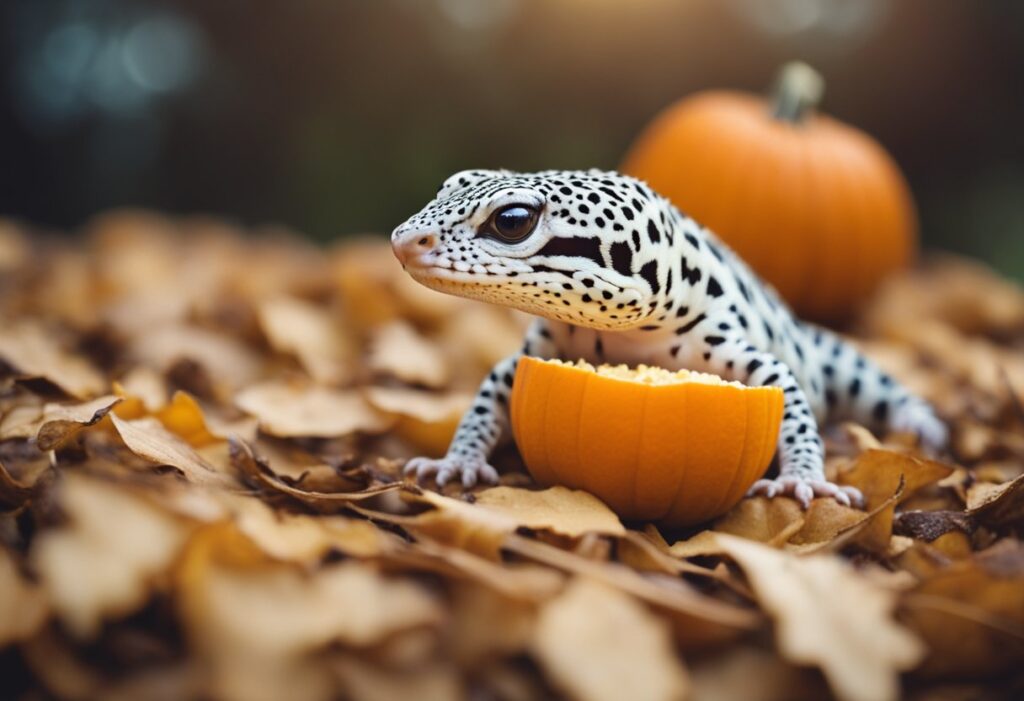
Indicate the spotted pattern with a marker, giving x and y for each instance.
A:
(617, 274)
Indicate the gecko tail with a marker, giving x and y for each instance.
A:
(859, 390)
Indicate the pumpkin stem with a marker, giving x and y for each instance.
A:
(798, 90)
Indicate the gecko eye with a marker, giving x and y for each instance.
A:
(512, 223)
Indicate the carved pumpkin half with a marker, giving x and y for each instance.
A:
(674, 447)
(816, 207)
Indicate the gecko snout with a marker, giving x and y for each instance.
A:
(411, 244)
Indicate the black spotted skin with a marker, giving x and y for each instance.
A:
(618, 275)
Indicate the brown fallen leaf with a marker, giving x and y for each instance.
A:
(226, 362)
(516, 581)
(478, 529)
(290, 411)
(105, 561)
(426, 419)
(148, 439)
(61, 422)
(259, 651)
(24, 607)
(564, 511)
(708, 618)
(581, 637)
(997, 505)
(302, 538)
(931, 525)
(488, 625)
(971, 614)
(311, 334)
(365, 682)
(18, 486)
(770, 521)
(752, 674)
(828, 615)
(397, 350)
(33, 353)
(880, 474)
(256, 469)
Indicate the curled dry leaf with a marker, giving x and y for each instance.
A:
(581, 637)
(829, 615)
(61, 422)
(105, 561)
(148, 439)
(879, 475)
(997, 505)
(290, 411)
(257, 470)
(399, 351)
(33, 353)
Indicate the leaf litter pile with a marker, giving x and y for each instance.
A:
(201, 441)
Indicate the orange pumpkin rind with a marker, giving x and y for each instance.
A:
(676, 448)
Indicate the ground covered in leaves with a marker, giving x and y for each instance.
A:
(201, 440)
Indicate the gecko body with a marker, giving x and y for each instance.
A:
(616, 274)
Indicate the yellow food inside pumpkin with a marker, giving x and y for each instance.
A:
(654, 444)
(646, 374)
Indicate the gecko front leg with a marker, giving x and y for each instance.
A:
(485, 423)
(801, 451)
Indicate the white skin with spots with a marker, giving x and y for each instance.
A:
(618, 275)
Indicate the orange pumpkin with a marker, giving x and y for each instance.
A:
(674, 447)
(816, 207)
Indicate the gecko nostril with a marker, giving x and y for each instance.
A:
(423, 241)
(427, 242)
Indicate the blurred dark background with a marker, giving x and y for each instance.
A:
(341, 116)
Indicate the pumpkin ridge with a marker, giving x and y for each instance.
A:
(638, 452)
(738, 473)
(684, 397)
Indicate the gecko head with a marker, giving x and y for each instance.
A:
(567, 245)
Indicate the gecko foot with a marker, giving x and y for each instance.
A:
(804, 490)
(468, 470)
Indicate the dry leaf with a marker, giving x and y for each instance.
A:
(399, 351)
(105, 561)
(148, 439)
(828, 615)
(997, 505)
(426, 419)
(260, 651)
(289, 411)
(226, 362)
(568, 512)
(363, 682)
(61, 422)
(309, 333)
(971, 614)
(581, 638)
(879, 474)
(24, 607)
(754, 675)
(33, 353)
